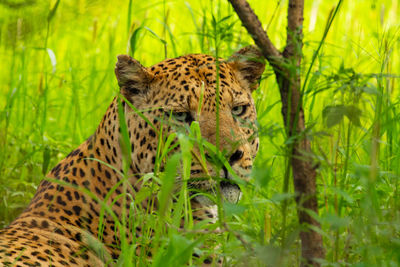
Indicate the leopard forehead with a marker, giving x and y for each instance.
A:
(182, 81)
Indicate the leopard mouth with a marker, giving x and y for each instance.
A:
(230, 191)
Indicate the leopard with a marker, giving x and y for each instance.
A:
(65, 213)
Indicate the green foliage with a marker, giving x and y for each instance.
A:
(335, 114)
(56, 81)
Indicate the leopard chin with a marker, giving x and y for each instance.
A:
(230, 193)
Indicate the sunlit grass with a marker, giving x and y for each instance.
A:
(55, 89)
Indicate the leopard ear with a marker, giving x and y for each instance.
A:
(250, 64)
(133, 78)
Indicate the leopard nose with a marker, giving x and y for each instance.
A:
(236, 156)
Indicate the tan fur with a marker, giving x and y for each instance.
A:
(59, 223)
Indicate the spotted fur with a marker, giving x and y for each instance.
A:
(61, 220)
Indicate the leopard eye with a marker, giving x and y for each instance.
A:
(182, 116)
(239, 110)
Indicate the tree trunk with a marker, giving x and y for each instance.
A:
(286, 66)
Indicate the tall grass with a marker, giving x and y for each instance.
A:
(56, 81)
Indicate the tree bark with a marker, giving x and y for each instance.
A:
(253, 26)
(286, 66)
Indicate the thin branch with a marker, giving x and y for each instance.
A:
(252, 24)
(294, 29)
